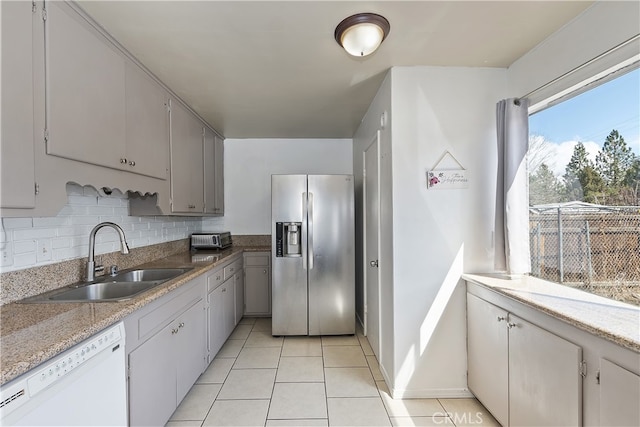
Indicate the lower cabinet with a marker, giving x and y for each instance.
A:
(220, 314)
(238, 280)
(164, 367)
(257, 283)
(523, 374)
(619, 395)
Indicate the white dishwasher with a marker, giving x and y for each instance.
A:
(83, 386)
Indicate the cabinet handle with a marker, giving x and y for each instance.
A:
(132, 163)
(174, 331)
(512, 325)
(264, 271)
(501, 318)
(181, 325)
(192, 206)
(123, 160)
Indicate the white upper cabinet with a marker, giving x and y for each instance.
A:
(85, 78)
(209, 171)
(187, 166)
(147, 125)
(17, 140)
(219, 176)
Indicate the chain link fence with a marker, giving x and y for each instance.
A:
(591, 247)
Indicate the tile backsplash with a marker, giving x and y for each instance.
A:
(30, 242)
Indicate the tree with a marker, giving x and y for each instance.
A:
(540, 151)
(592, 185)
(544, 187)
(614, 160)
(579, 161)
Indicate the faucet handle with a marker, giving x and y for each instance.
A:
(98, 269)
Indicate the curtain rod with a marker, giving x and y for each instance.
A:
(578, 68)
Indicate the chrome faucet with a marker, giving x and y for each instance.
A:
(91, 265)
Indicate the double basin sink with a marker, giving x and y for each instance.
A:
(122, 286)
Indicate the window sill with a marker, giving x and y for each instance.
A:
(612, 320)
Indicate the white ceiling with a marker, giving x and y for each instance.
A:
(272, 69)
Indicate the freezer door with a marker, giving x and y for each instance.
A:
(289, 274)
(331, 255)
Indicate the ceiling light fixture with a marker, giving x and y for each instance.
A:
(361, 34)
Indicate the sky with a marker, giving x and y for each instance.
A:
(589, 118)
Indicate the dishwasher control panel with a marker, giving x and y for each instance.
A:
(73, 358)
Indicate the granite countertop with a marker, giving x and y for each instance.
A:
(30, 334)
(609, 319)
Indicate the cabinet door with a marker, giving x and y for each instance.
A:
(217, 331)
(152, 380)
(229, 303)
(147, 125)
(487, 356)
(190, 344)
(16, 142)
(257, 295)
(187, 193)
(209, 172)
(239, 296)
(545, 385)
(219, 178)
(619, 395)
(85, 81)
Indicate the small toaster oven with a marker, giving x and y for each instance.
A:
(221, 240)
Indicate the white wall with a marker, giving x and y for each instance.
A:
(30, 242)
(249, 164)
(430, 237)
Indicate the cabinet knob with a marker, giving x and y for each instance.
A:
(123, 160)
(132, 163)
(264, 271)
(174, 331)
(181, 325)
(192, 206)
(512, 325)
(501, 318)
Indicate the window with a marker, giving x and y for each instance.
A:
(584, 190)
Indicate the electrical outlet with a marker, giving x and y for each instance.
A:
(44, 251)
(6, 255)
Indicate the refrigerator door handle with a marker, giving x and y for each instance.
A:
(310, 230)
(304, 231)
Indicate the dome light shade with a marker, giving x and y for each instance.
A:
(361, 34)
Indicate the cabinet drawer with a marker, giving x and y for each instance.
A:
(257, 260)
(214, 279)
(166, 313)
(232, 269)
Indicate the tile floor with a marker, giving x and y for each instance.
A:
(260, 380)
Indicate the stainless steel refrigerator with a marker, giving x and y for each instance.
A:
(313, 261)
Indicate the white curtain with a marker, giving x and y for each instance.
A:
(512, 254)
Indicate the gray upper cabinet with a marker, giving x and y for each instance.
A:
(85, 77)
(147, 125)
(187, 166)
(209, 171)
(219, 176)
(16, 143)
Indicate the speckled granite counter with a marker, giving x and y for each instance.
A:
(612, 320)
(30, 334)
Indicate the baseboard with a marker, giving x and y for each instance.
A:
(432, 393)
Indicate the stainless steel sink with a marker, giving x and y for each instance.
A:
(120, 287)
(146, 275)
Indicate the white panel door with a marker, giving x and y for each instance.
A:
(85, 90)
(16, 143)
(488, 356)
(190, 346)
(545, 385)
(372, 237)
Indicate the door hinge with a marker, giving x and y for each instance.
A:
(34, 8)
(583, 369)
(44, 14)
(598, 377)
(37, 188)
(46, 136)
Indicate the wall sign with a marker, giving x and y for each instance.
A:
(447, 178)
